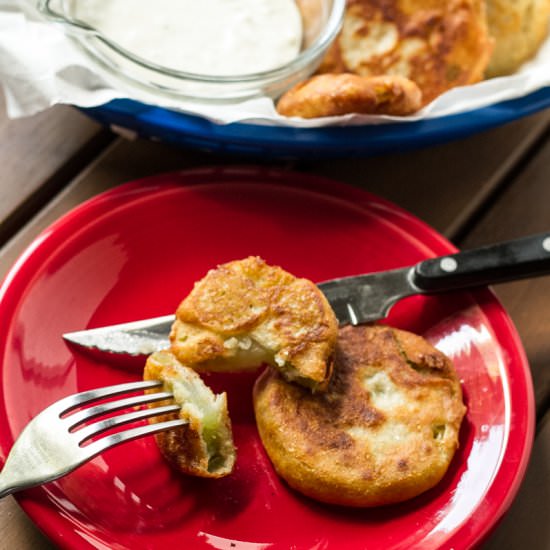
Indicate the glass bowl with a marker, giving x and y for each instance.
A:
(321, 21)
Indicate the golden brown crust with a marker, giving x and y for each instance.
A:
(384, 431)
(438, 44)
(245, 313)
(518, 29)
(188, 448)
(340, 94)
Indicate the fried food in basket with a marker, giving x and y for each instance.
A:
(384, 431)
(518, 28)
(203, 447)
(340, 94)
(438, 44)
(246, 313)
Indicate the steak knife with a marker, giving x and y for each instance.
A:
(361, 298)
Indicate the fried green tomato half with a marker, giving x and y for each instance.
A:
(204, 446)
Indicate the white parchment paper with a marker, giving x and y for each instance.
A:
(40, 66)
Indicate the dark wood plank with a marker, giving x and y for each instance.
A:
(38, 156)
(18, 531)
(523, 209)
(444, 185)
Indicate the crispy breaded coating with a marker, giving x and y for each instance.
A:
(384, 431)
(340, 94)
(438, 44)
(518, 28)
(204, 446)
(246, 313)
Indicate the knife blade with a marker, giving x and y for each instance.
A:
(136, 338)
(143, 337)
(361, 298)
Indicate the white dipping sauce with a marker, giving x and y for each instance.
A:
(213, 37)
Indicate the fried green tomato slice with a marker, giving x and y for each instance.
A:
(384, 431)
(247, 313)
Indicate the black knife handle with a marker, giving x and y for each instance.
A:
(498, 263)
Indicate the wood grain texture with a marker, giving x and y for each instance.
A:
(121, 162)
(523, 209)
(18, 531)
(38, 156)
(447, 184)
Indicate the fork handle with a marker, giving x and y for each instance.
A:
(498, 263)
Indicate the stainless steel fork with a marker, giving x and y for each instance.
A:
(59, 439)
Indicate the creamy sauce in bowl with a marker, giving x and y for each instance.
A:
(208, 37)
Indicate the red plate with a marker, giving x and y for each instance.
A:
(135, 252)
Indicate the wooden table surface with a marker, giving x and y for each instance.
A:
(489, 187)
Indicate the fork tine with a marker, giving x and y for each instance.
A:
(92, 412)
(98, 427)
(113, 440)
(82, 398)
